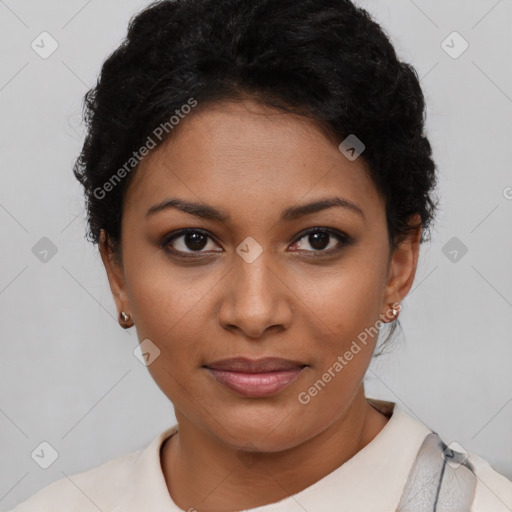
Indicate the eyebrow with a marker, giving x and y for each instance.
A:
(206, 211)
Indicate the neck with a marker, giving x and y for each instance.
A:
(204, 473)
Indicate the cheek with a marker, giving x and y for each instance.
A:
(343, 327)
(165, 297)
(343, 312)
(170, 311)
(342, 303)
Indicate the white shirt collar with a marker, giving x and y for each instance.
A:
(373, 479)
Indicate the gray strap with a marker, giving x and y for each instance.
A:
(441, 480)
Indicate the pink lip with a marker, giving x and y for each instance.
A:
(256, 377)
(256, 384)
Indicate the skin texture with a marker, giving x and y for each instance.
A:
(234, 452)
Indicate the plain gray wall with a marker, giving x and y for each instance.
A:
(68, 374)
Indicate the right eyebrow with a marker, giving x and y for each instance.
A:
(202, 210)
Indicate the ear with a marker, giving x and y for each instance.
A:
(115, 274)
(402, 267)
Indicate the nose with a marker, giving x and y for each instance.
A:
(255, 299)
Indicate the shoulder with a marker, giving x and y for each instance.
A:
(493, 490)
(98, 488)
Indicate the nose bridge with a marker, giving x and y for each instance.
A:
(255, 298)
(254, 279)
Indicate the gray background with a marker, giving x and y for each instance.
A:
(68, 375)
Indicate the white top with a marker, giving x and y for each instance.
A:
(372, 480)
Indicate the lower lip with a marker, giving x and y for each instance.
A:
(256, 384)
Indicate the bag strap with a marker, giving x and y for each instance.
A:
(440, 480)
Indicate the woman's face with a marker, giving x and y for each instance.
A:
(251, 280)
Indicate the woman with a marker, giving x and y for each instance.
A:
(258, 183)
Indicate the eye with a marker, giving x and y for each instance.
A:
(322, 240)
(193, 242)
(189, 241)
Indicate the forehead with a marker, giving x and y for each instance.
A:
(242, 155)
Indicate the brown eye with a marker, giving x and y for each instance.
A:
(319, 240)
(322, 240)
(189, 241)
(195, 241)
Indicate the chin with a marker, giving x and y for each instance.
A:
(260, 429)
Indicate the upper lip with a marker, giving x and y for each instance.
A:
(266, 364)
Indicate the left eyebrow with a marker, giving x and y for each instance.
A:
(295, 212)
(206, 211)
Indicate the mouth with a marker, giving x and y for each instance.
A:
(256, 377)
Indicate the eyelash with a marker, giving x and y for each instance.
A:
(344, 239)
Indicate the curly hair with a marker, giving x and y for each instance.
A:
(324, 59)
